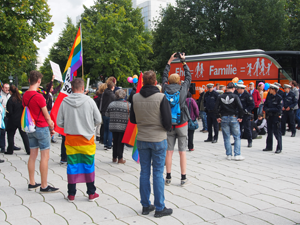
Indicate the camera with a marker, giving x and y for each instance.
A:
(177, 55)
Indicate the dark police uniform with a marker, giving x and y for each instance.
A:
(248, 105)
(289, 100)
(210, 99)
(273, 109)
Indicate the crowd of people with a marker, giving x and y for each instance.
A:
(163, 114)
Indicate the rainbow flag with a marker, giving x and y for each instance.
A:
(81, 159)
(131, 129)
(75, 58)
(39, 90)
(27, 121)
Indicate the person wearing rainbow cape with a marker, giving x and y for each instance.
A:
(79, 115)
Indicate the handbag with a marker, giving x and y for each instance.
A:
(192, 125)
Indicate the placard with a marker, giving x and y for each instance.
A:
(56, 71)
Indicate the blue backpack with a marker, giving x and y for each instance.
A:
(175, 107)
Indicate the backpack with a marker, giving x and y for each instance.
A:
(173, 99)
(2, 115)
(27, 121)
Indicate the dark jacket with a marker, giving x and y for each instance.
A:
(108, 97)
(289, 100)
(133, 91)
(165, 110)
(98, 100)
(200, 101)
(14, 113)
(210, 99)
(228, 104)
(247, 101)
(183, 88)
(48, 97)
(273, 105)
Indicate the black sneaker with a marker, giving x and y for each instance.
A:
(147, 210)
(164, 212)
(49, 189)
(33, 187)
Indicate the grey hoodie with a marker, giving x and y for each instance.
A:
(78, 115)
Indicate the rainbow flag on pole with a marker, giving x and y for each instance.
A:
(75, 58)
(131, 129)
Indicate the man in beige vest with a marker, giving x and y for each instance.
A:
(151, 111)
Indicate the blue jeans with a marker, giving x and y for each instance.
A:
(203, 117)
(260, 109)
(297, 116)
(230, 125)
(107, 136)
(154, 152)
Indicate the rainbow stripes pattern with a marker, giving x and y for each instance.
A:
(75, 58)
(81, 159)
(27, 121)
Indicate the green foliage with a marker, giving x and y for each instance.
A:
(292, 8)
(21, 23)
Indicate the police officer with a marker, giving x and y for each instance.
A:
(289, 102)
(273, 109)
(210, 99)
(248, 106)
(279, 92)
(229, 112)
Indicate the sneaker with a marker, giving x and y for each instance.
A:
(93, 197)
(164, 212)
(185, 182)
(168, 182)
(71, 198)
(49, 189)
(239, 158)
(121, 161)
(205, 131)
(191, 150)
(33, 187)
(53, 141)
(229, 157)
(1, 161)
(17, 148)
(147, 210)
(63, 162)
(105, 147)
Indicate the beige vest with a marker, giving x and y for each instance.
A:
(148, 118)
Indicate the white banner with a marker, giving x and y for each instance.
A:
(56, 71)
(67, 88)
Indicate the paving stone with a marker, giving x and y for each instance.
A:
(271, 218)
(2, 215)
(224, 210)
(98, 214)
(239, 206)
(205, 213)
(50, 219)
(271, 199)
(25, 221)
(285, 213)
(247, 219)
(23, 212)
(226, 221)
(121, 211)
(39, 208)
(138, 220)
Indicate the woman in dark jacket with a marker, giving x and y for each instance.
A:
(194, 112)
(14, 113)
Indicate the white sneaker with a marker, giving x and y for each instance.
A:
(239, 158)
(229, 157)
(168, 182)
(185, 182)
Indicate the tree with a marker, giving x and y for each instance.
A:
(22, 23)
(292, 8)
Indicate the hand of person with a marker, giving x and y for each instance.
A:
(288, 109)
(182, 57)
(239, 120)
(53, 78)
(52, 133)
(219, 120)
(172, 58)
(283, 108)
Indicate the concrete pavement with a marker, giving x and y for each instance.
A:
(263, 189)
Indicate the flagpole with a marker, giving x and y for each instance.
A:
(81, 51)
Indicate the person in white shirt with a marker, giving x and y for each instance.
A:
(3, 100)
(261, 124)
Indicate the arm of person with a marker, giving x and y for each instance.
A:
(57, 88)
(196, 109)
(294, 103)
(132, 114)
(9, 108)
(263, 124)
(47, 118)
(217, 109)
(240, 107)
(96, 114)
(165, 111)
(258, 98)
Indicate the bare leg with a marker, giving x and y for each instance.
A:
(169, 161)
(182, 156)
(44, 167)
(31, 165)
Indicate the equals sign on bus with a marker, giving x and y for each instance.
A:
(243, 69)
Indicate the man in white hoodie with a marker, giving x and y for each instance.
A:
(4, 96)
(79, 115)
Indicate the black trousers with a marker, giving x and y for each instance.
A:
(118, 146)
(11, 136)
(273, 126)
(212, 121)
(91, 189)
(255, 113)
(288, 115)
(191, 139)
(262, 131)
(101, 133)
(63, 153)
(245, 127)
(2, 135)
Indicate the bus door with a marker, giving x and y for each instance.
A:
(285, 75)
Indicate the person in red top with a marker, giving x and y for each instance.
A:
(40, 139)
(256, 97)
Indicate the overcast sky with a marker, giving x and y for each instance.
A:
(60, 9)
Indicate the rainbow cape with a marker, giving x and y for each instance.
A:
(131, 129)
(27, 121)
(81, 159)
(75, 58)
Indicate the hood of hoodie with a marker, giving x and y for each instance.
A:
(148, 90)
(76, 99)
(172, 88)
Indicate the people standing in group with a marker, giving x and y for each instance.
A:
(273, 109)
(289, 103)
(202, 113)
(14, 110)
(79, 115)
(194, 112)
(151, 111)
(229, 112)
(4, 99)
(118, 112)
(260, 89)
(99, 101)
(210, 99)
(176, 92)
(217, 87)
(256, 98)
(294, 89)
(107, 97)
(261, 123)
(40, 139)
(248, 105)
(114, 80)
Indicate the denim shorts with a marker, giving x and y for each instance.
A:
(40, 138)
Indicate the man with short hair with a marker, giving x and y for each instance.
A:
(79, 115)
(256, 98)
(40, 139)
(4, 96)
(229, 112)
(151, 111)
(202, 113)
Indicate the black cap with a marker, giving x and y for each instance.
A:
(230, 85)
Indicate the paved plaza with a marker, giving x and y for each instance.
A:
(263, 189)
